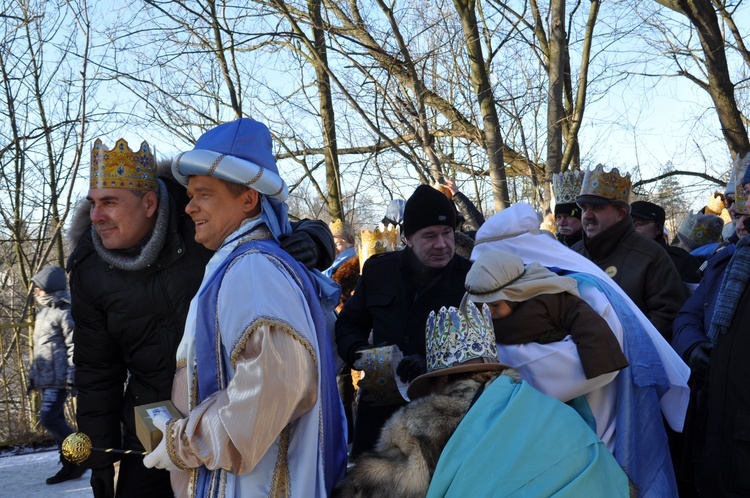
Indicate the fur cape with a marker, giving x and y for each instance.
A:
(411, 441)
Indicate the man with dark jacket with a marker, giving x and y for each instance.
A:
(395, 295)
(648, 220)
(642, 268)
(133, 272)
(52, 365)
(710, 333)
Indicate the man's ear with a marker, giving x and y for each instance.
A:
(251, 202)
(151, 202)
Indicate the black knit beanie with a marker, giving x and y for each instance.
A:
(569, 208)
(425, 208)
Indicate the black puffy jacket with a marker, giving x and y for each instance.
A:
(128, 325)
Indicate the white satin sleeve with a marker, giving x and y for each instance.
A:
(275, 382)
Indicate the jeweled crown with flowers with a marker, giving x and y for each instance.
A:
(453, 337)
(567, 186)
(121, 167)
(611, 186)
(739, 167)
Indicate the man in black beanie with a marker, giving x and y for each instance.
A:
(568, 220)
(394, 297)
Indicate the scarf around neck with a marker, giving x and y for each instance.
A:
(733, 284)
(150, 251)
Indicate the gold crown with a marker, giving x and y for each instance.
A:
(120, 167)
(337, 227)
(715, 204)
(382, 239)
(379, 375)
(567, 186)
(611, 186)
(738, 171)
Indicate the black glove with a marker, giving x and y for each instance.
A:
(699, 358)
(72, 391)
(301, 247)
(103, 482)
(411, 367)
(29, 387)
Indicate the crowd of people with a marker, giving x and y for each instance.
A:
(588, 356)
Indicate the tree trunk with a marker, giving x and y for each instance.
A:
(555, 107)
(493, 142)
(327, 114)
(702, 16)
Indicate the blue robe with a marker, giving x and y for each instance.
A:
(517, 442)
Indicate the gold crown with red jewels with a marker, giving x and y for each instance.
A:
(611, 186)
(739, 166)
(121, 167)
(567, 186)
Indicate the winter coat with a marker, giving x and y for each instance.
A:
(52, 364)
(723, 468)
(643, 270)
(385, 302)
(687, 265)
(572, 239)
(550, 318)
(128, 325)
(694, 318)
(472, 219)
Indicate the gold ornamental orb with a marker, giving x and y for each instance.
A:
(77, 447)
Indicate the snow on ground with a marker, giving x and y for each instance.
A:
(23, 476)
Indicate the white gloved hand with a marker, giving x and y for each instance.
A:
(159, 458)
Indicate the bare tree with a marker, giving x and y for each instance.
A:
(703, 18)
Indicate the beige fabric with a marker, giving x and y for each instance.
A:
(498, 275)
(273, 360)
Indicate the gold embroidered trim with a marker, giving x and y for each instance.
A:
(182, 362)
(281, 483)
(255, 178)
(278, 191)
(269, 321)
(171, 447)
(177, 164)
(215, 165)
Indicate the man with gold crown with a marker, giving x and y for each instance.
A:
(255, 382)
(566, 187)
(133, 271)
(642, 268)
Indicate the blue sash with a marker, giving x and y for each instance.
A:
(210, 352)
(641, 440)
